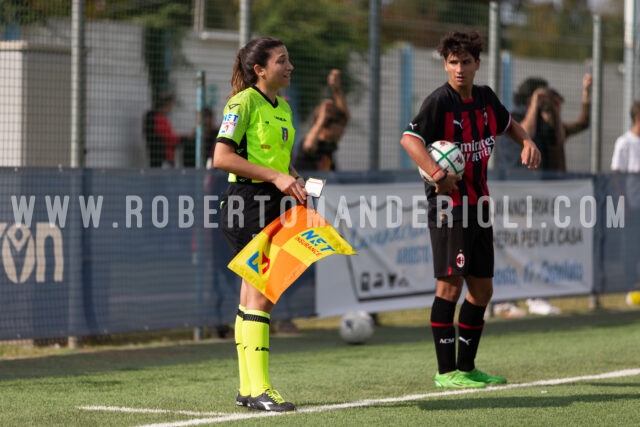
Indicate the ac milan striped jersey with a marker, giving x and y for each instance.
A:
(473, 125)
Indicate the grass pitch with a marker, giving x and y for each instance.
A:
(577, 368)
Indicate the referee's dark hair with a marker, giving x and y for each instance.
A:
(458, 42)
(256, 51)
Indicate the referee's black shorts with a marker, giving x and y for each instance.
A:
(241, 224)
(462, 251)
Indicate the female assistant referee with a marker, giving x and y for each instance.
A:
(254, 145)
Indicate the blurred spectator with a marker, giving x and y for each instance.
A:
(626, 159)
(161, 138)
(316, 153)
(509, 151)
(542, 119)
(330, 120)
(209, 133)
(626, 152)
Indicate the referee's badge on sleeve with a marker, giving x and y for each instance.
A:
(229, 122)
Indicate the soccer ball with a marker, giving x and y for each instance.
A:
(633, 298)
(448, 156)
(356, 327)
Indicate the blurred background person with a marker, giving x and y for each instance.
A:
(551, 112)
(330, 120)
(317, 150)
(626, 159)
(160, 136)
(508, 150)
(626, 152)
(538, 108)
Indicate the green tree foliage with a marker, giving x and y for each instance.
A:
(165, 22)
(164, 31)
(557, 30)
(320, 35)
(423, 23)
(21, 12)
(562, 32)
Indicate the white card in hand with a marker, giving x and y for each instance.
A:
(314, 186)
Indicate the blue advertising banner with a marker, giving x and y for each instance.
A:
(95, 252)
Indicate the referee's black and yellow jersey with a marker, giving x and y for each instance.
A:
(260, 131)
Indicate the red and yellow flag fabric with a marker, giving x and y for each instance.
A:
(284, 249)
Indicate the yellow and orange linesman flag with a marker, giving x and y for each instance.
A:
(284, 249)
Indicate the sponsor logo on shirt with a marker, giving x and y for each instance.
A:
(285, 134)
(229, 122)
(477, 150)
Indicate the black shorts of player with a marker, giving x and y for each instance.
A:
(247, 222)
(462, 251)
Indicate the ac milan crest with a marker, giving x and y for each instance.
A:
(460, 260)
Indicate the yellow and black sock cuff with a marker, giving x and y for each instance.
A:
(257, 316)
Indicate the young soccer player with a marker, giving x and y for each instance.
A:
(254, 145)
(471, 115)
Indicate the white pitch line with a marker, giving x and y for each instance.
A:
(148, 411)
(368, 402)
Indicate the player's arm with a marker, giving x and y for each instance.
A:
(530, 154)
(530, 120)
(335, 84)
(585, 110)
(310, 142)
(415, 148)
(226, 158)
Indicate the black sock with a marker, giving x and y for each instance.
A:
(470, 325)
(444, 334)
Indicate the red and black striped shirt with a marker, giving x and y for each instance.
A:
(473, 125)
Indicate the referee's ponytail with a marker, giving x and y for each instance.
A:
(256, 52)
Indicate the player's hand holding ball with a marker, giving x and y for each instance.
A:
(451, 163)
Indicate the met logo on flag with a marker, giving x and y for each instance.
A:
(285, 248)
(314, 239)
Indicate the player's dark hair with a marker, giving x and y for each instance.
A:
(256, 51)
(458, 42)
(635, 111)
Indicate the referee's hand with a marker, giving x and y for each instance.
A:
(292, 186)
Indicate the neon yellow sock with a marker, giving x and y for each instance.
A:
(245, 383)
(255, 335)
